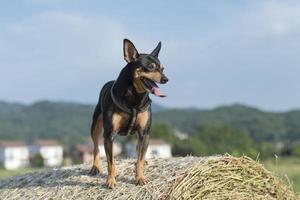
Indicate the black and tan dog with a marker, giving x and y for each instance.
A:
(124, 107)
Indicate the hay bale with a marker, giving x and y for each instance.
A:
(219, 177)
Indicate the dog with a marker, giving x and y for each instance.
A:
(124, 107)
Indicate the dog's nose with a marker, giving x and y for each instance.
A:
(164, 80)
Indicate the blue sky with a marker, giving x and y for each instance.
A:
(214, 52)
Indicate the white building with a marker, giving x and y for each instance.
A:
(117, 149)
(50, 150)
(180, 135)
(14, 155)
(156, 149)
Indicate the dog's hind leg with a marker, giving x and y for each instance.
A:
(96, 129)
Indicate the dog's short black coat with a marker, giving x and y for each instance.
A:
(124, 107)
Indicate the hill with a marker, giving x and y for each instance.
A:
(67, 122)
(70, 122)
(218, 177)
(261, 125)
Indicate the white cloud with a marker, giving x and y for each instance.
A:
(64, 39)
(56, 49)
(62, 55)
(272, 18)
(250, 59)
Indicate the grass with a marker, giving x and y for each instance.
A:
(286, 166)
(10, 173)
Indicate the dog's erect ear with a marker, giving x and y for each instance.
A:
(155, 52)
(130, 52)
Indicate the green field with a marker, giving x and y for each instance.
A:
(10, 173)
(283, 167)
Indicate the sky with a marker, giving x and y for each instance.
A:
(214, 52)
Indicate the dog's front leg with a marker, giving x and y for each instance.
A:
(141, 148)
(108, 145)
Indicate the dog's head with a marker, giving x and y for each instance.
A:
(147, 71)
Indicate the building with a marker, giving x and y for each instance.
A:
(117, 149)
(180, 135)
(156, 149)
(81, 154)
(50, 150)
(84, 153)
(14, 154)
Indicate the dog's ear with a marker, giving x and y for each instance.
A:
(130, 52)
(155, 52)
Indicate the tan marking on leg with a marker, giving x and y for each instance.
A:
(141, 149)
(95, 137)
(140, 178)
(142, 120)
(111, 169)
(118, 120)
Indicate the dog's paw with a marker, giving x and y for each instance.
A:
(94, 171)
(141, 181)
(111, 183)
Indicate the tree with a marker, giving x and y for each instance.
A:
(37, 161)
(162, 131)
(222, 138)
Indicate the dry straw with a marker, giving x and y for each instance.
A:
(211, 178)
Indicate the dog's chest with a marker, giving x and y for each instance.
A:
(121, 122)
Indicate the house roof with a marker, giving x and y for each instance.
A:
(6, 143)
(157, 142)
(46, 143)
(83, 148)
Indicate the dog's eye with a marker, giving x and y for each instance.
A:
(151, 66)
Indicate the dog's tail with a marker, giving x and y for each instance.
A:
(97, 113)
(98, 110)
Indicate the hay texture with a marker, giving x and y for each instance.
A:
(212, 178)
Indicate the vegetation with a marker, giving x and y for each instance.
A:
(37, 161)
(67, 122)
(234, 129)
(208, 140)
(286, 167)
(260, 125)
(10, 173)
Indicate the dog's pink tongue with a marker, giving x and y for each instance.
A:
(156, 91)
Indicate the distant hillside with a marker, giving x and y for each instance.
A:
(70, 122)
(259, 124)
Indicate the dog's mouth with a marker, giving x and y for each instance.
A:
(152, 87)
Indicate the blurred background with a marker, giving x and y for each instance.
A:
(233, 69)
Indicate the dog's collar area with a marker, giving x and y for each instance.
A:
(146, 102)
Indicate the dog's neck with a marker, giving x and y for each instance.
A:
(125, 91)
